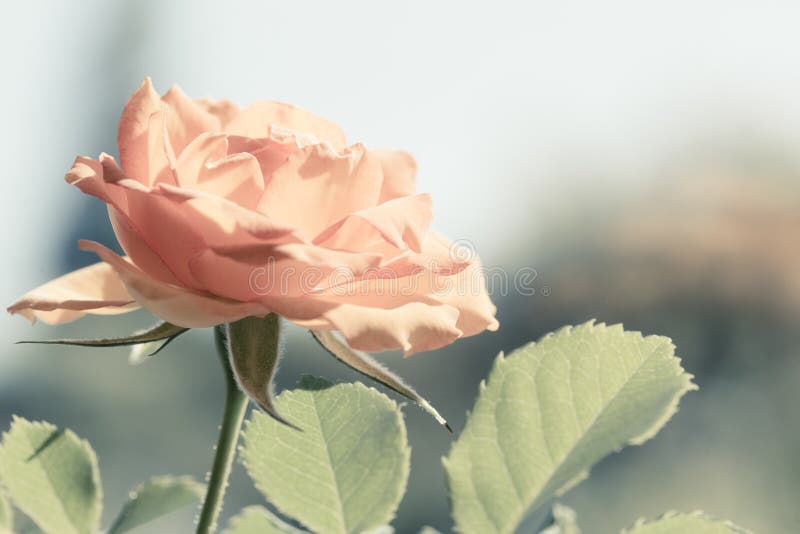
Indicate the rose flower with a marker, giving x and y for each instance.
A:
(226, 213)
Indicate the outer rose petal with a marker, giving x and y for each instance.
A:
(94, 289)
(414, 326)
(255, 120)
(464, 290)
(133, 131)
(317, 187)
(399, 173)
(102, 179)
(176, 305)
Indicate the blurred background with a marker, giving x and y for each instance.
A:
(641, 157)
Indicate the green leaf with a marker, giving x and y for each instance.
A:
(253, 352)
(155, 498)
(141, 352)
(565, 521)
(677, 523)
(259, 520)
(551, 410)
(52, 476)
(368, 366)
(158, 332)
(346, 472)
(6, 516)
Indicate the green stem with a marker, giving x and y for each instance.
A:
(232, 417)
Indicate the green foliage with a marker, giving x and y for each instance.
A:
(370, 367)
(552, 409)
(52, 476)
(346, 471)
(694, 523)
(259, 520)
(6, 516)
(162, 331)
(253, 352)
(565, 521)
(155, 498)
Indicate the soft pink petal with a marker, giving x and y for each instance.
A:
(207, 166)
(399, 173)
(186, 119)
(104, 180)
(94, 289)
(255, 120)
(465, 290)
(413, 327)
(223, 110)
(261, 272)
(402, 222)
(222, 222)
(133, 136)
(176, 305)
(317, 187)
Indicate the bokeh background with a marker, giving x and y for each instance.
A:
(642, 157)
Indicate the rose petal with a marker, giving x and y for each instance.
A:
(94, 289)
(261, 272)
(402, 222)
(104, 180)
(173, 304)
(186, 119)
(317, 187)
(414, 326)
(223, 110)
(133, 131)
(206, 165)
(399, 173)
(254, 121)
(465, 290)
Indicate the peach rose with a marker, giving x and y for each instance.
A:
(226, 213)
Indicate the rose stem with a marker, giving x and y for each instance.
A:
(232, 418)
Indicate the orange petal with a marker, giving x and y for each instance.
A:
(255, 120)
(173, 304)
(94, 289)
(399, 173)
(317, 187)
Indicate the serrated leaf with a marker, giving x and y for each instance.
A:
(253, 352)
(368, 366)
(155, 498)
(346, 472)
(6, 516)
(161, 331)
(564, 521)
(259, 520)
(552, 409)
(677, 523)
(52, 476)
